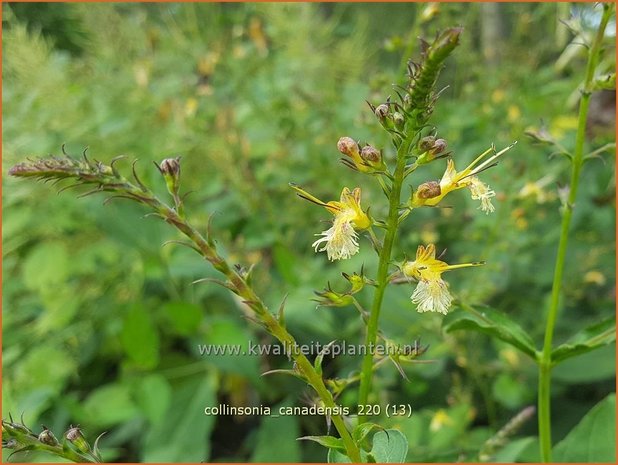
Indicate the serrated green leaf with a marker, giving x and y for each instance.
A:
(593, 439)
(492, 323)
(590, 338)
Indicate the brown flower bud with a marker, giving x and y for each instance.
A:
(348, 146)
(47, 437)
(427, 143)
(382, 111)
(371, 155)
(170, 167)
(439, 146)
(74, 436)
(428, 190)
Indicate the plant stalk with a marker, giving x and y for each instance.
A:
(392, 223)
(545, 362)
(267, 319)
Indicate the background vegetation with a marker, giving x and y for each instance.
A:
(101, 324)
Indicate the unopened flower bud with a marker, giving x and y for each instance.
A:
(348, 146)
(399, 120)
(439, 146)
(373, 158)
(427, 143)
(407, 101)
(74, 436)
(382, 111)
(370, 154)
(429, 190)
(170, 169)
(47, 437)
(10, 444)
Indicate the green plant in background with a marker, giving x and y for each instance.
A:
(405, 120)
(117, 318)
(591, 338)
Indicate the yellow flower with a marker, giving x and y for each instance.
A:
(431, 193)
(431, 293)
(439, 420)
(340, 241)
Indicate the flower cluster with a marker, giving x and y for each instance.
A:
(431, 193)
(431, 293)
(341, 240)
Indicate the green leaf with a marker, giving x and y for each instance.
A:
(512, 451)
(285, 262)
(153, 397)
(184, 318)
(335, 456)
(593, 439)
(276, 439)
(327, 441)
(361, 431)
(389, 446)
(588, 339)
(109, 405)
(183, 436)
(511, 391)
(492, 323)
(140, 338)
(587, 368)
(46, 266)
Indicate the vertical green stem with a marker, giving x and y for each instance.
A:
(382, 277)
(545, 362)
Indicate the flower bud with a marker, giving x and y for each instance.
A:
(429, 190)
(399, 120)
(373, 158)
(348, 146)
(382, 111)
(371, 155)
(439, 146)
(426, 143)
(10, 443)
(407, 102)
(74, 436)
(47, 437)
(431, 148)
(170, 169)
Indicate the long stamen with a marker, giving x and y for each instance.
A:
(491, 159)
(464, 265)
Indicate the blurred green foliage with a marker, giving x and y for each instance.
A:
(101, 324)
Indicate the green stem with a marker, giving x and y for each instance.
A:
(382, 277)
(545, 362)
(267, 319)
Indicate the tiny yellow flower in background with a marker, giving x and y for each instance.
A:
(340, 241)
(431, 193)
(439, 420)
(431, 293)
